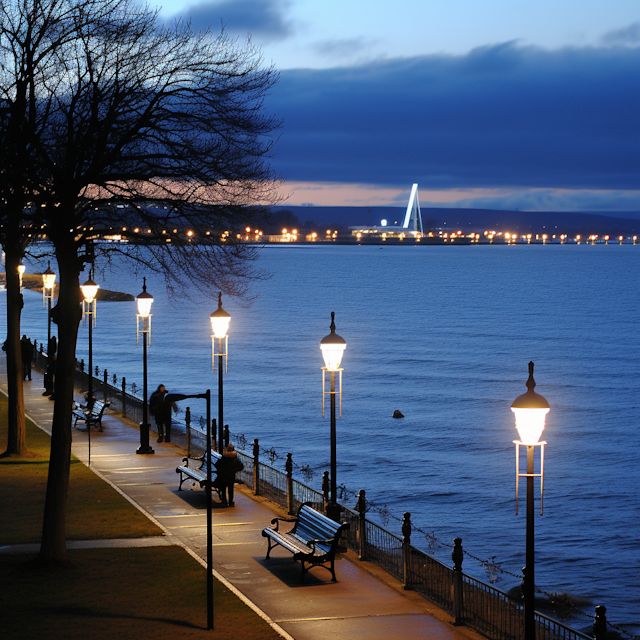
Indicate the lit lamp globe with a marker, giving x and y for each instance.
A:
(332, 347)
(48, 278)
(144, 301)
(530, 410)
(21, 269)
(219, 321)
(89, 291)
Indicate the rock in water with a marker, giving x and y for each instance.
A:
(398, 414)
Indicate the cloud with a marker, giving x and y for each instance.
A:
(342, 49)
(500, 116)
(627, 36)
(551, 200)
(264, 19)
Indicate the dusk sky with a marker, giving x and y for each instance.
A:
(501, 104)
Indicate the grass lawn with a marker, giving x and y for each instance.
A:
(157, 593)
(94, 511)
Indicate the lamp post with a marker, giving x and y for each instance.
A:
(176, 397)
(48, 283)
(332, 347)
(530, 410)
(143, 326)
(219, 325)
(21, 270)
(89, 293)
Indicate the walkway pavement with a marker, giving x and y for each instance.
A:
(360, 604)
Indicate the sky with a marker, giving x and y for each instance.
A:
(501, 104)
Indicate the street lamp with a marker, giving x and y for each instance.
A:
(332, 347)
(21, 270)
(89, 293)
(170, 398)
(48, 283)
(530, 410)
(143, 326)
(219, 325)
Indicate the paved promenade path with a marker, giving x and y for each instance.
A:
(361, 604)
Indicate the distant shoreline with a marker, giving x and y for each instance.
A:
(33, 282)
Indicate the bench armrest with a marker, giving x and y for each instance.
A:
(185, 461)
(276, 521)
(312, 543)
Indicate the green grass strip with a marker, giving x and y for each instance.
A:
(94, 511)
(157, 593)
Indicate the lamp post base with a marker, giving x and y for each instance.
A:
(144, 450)
(145, 447)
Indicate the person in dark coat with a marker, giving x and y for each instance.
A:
(161, 411)
(156, 407)
(26, 349)
(226, 468)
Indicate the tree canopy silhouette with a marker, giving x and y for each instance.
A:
(120, 124)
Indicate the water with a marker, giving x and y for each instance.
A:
(444, 334)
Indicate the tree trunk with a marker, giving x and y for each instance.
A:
(16, 442)
(66, 314)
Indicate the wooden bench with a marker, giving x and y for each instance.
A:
(199, 474)
(90, 417)
(313, 539)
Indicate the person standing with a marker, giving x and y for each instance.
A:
(26, 349)
(156, 408)
(227, 467)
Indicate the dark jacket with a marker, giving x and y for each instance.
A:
(227, 467)
(157, 404)
(26, 348)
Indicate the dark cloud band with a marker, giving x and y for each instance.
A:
(264, 19)
(499, 116)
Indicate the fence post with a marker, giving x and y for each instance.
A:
(187, 424)
(124, 397)
(289, 469)
(406, 550)
(458, 602)
(600, 624)
(362, 525)
(325, 489)
(226, 435)
(256, 468)
(105, 382)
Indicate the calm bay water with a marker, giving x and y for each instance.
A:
(445, 335)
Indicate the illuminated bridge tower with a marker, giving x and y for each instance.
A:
(413, 217)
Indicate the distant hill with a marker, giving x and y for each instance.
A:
(468, 220)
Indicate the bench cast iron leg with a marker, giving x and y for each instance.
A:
(270, 546)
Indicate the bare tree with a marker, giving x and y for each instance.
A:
(28, 39)
(142, 129)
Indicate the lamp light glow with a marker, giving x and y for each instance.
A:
(48, 278)
(530, 410)
(144, 301)
(89, 291)
(332, 347)
(219, 321)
